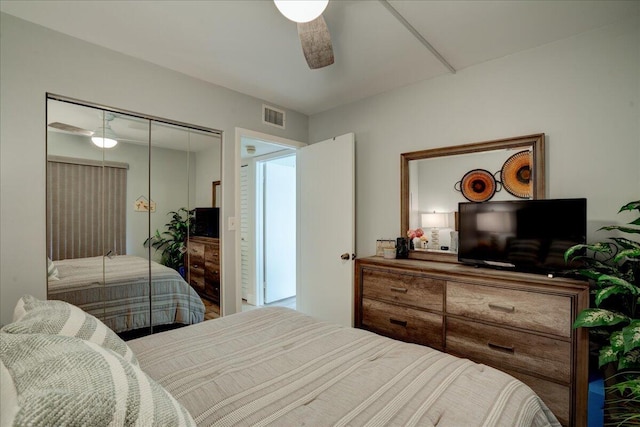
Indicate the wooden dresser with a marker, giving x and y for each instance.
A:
(518, 323)
(203, 261)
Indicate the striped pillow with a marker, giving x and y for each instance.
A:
(33, 316)
(59, 380)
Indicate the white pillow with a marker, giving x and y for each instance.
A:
(61, 318)
(62, 380)
(52, 270)
(8, 397)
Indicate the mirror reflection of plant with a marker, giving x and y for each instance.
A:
(172, 243)
(613, 268)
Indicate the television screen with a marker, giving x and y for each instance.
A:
(523, 235)
(207, 222)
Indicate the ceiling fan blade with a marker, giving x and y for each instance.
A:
(316, 43)
(67, 128)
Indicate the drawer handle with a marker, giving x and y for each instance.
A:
(403, 290)
(402, 323)
(503, 348)
(505, 308)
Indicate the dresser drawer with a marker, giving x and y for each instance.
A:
(196, 255)
(196, 279)
(212, 272)
(508, 349)
(211, 253)
(402, 323)
(529, 310)
(410, 289)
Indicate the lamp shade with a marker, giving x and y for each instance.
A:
(301, 10)
(435, 220)
(104, 137)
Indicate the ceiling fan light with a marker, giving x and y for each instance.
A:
(301, 10)
(104, 137)
(104, 142)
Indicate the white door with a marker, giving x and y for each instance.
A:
(279, 218)
(245, 255)
(326, 229)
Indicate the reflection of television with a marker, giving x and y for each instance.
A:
(207, 222)
(522, 235)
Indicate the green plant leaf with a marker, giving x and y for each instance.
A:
(600, 247)
(627, 253)
(590, 317)
(617, 341)
(629, 360)
(604, 293)
(626, 243)
(635, 205)
(631, 335)
(621, 228)
(607, 355)
(606, 279)
(592, 274)
(632, 386)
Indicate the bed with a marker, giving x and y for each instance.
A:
(121, 300)
(269, 366)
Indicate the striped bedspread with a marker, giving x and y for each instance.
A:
(121, 299)
(275, 366)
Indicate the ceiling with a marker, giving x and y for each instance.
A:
(248, 46)
(129, 129)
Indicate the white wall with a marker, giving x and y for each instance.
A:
(582, 92)
(207, 171)
(35, 60)
(169, 189)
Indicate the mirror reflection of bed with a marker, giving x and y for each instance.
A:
(103, 204)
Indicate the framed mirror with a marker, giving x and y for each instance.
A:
(434, 181)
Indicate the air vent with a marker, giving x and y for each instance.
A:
(273, 116)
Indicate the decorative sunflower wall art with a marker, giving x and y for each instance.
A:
(516, 174)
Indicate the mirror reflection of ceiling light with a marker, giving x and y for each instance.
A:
(104, 136)
(301, 10)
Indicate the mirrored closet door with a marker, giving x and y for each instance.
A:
(123, 191)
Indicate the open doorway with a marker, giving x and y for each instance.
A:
(276, 225)
(267, 222)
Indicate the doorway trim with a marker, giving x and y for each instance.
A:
(272, 139)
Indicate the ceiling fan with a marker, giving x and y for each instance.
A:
(103, 136)
(312, 29)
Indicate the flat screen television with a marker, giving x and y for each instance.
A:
(521, 235)
(207, 222)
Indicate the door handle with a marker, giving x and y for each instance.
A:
(345, 256)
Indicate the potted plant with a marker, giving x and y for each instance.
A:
(613, 268)
(172, 241)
